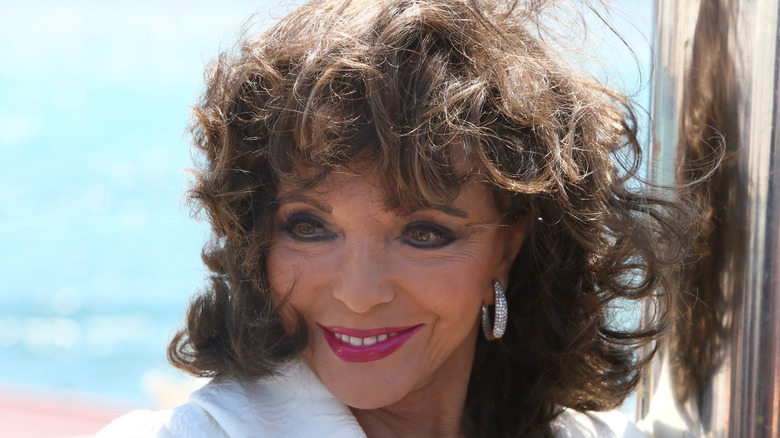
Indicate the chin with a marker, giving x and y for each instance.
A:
(364, 389)
(368, 401)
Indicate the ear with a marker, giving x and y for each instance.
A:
(514, 237)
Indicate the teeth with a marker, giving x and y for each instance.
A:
(359, 342)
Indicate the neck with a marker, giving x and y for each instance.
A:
(416, 416)
(433, 410)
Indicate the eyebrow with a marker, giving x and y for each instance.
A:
(447, 209)
(306, 200)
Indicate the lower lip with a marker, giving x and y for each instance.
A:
(368, 353)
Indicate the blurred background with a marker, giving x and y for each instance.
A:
(98, 254)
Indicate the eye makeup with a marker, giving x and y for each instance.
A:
(427, 235)
(305, 227)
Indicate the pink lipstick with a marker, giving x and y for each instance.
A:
(352, 345)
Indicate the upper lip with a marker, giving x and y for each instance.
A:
(360, 333)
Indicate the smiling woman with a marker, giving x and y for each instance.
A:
(382, 178)
(372, 283)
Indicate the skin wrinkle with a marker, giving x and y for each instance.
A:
(362, 227)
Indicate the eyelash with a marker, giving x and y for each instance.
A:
(443, 236)
(293, 222)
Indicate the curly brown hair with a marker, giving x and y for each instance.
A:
(413, 87)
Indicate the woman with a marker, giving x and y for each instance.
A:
(385, 177)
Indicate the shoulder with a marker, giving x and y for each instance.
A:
(611, 424)
(293, 403)
(184, 421)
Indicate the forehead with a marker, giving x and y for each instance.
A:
(401, 185)
(364, 188)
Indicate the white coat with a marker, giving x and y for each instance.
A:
(295, 404)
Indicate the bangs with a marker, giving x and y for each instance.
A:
(426, 96)
(393, 111)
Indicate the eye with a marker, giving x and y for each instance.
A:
(305, 227)
(427, 235)
(423, 236)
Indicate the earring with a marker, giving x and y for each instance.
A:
(497, 329)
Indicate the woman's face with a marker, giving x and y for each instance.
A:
(390, 298)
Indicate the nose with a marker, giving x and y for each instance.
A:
(363, 280)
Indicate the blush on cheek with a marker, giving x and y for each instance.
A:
(281, 300)
(287, 313)
(290, 319)
(280, 278)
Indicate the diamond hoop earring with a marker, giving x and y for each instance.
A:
(497, 329)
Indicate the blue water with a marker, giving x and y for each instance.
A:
(98, 256)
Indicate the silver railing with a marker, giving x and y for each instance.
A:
(716, 86)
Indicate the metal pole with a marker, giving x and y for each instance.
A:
(716, 85)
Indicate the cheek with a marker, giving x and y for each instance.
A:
(475, 267)
(280, 273)
(283, 275)
(289, 268)
(455, 291)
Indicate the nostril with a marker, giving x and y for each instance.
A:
(363, 281)
(362, 300)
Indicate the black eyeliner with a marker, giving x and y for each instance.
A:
(445, 235)
(291, 220)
